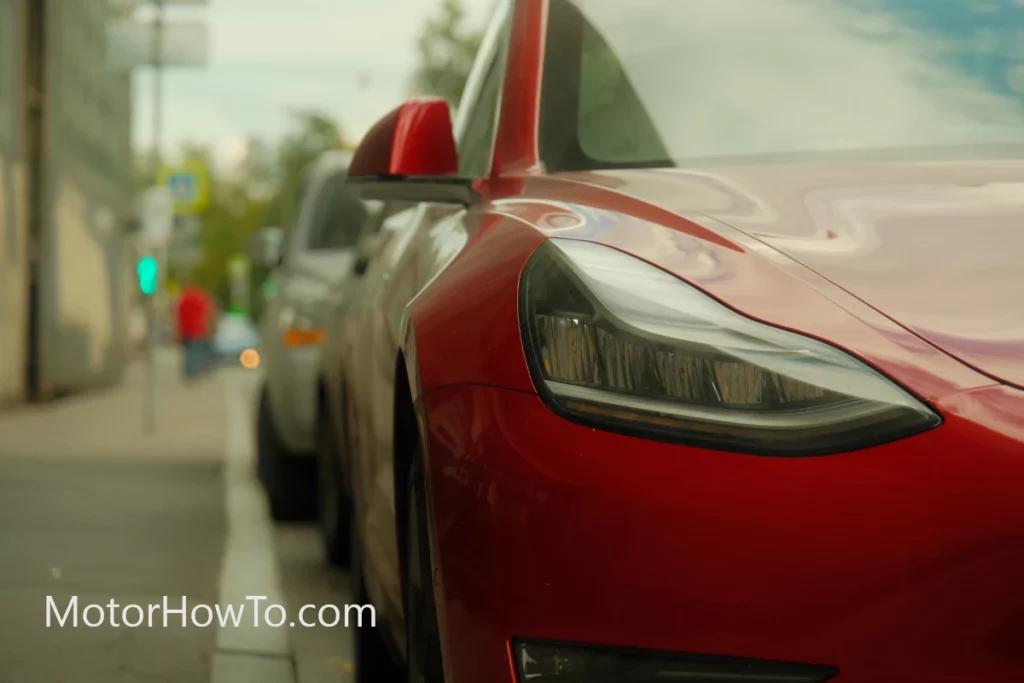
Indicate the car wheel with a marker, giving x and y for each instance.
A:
(373, 660)
(290, 481)
(423, 642)
(335, 509)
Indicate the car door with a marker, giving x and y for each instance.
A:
(436, 234)
(288, 286)
(320, 248)
(346, 307)
(348, 282)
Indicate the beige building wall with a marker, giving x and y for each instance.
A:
(12, 209)
(87, 187)
(12, 280)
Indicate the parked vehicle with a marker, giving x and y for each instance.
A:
(699, 356)
(319, 248)
(235, 335)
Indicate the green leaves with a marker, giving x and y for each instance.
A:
(263, 191)
(447, 49)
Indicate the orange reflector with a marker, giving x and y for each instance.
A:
(250, 359)
(296, 337)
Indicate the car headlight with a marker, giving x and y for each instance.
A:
(617, 343)
(541, 662)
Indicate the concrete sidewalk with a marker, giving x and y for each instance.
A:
(109, 423)
(94, 507)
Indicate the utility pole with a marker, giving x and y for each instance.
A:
(149, 419)
(35, 110)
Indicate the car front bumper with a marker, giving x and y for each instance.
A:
(903, 562)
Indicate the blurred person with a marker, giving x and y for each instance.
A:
(195, 307)
(212, 313)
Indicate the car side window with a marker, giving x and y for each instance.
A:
(339, 218)
(296, 235)
(477, 117)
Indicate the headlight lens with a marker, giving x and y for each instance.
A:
(563, 663)
(618, 343)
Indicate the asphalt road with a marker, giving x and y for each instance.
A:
(92, 508)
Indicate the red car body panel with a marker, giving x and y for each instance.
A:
(902, 563)
(482, 331)
(904, 559)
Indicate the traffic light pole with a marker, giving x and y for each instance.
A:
(149, 417)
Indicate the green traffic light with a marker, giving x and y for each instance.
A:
(147, 271)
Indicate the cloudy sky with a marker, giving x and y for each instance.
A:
(351, 59)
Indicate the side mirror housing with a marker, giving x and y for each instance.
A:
(410, 155)
(268, 247)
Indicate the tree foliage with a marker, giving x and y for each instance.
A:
(446, 49)
(262, 192)
(314, 134)
(266, 189)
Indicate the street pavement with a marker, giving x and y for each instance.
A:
(91, 506)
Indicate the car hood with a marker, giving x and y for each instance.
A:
(936, 247)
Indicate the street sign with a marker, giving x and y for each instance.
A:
(123, 7)
(157, 213)
(185, 249)
(182, 43)
(188, 187)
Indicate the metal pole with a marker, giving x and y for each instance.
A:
(150, 402)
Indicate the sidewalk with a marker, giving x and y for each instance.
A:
(109, 423)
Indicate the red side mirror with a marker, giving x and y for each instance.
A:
(414, 140)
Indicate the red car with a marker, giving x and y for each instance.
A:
(693, 350)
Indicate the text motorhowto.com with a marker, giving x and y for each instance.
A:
(255, 612)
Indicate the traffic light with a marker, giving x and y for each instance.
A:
(147, 270)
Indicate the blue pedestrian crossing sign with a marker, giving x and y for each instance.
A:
(188, 187)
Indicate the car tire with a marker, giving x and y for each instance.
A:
(423, 642)
(335, 508)
(289, 480)
(373, 660)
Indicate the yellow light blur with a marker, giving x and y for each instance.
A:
(250, 359)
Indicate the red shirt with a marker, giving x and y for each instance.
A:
(193, 312)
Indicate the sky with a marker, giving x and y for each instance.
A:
(351, 59)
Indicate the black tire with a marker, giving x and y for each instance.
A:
(422, 639)
(373, 660)
(335, 508)
(289, 480)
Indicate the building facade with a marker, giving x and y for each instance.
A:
(65, 200)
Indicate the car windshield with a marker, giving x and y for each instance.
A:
(654, 82)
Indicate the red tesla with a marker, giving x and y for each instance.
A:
(693, 349)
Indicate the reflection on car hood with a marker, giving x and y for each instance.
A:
(937, 247)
